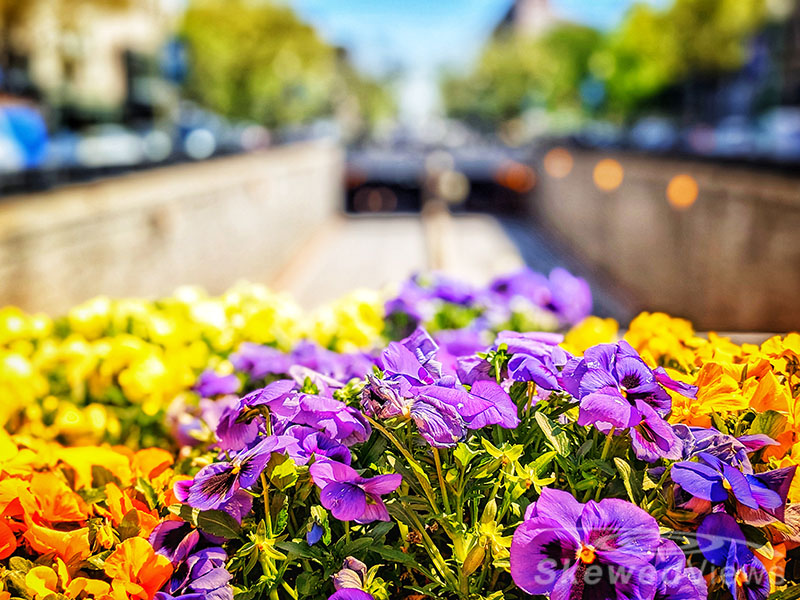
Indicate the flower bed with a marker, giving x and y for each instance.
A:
(443, 441)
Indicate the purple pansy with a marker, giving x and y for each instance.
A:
(563, 294)
(349, 496)
(536, 357)
(413, 385)
(674, 580)
(350, 580)
(594, 550)
(722, 542)
(258, 361)
(210, 384)
(217, 483)
(617, 389)
(712, 480)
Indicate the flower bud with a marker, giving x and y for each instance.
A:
(474, 559)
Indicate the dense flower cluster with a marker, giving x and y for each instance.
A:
(109, 369)
(474, 452)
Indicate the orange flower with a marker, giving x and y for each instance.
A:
(57, 503)
(8, 541)
(136, 567)
(67, 545)
(767, 394)
(151, 462)
(120, 504)
(81, 587)
(83, 459)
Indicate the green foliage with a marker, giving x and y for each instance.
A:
(252, 59)
(647, 53)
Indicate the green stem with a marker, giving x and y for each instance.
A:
(415, 466)
(267, 515)
(437, 459)
(433, 551)
(347, 532)
(607, 445)
(289, 589)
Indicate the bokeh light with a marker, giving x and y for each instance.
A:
(682, 191)
(517, 177)
(558, 163)
(608, 174)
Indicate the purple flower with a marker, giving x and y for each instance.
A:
(713, 480)
(674, 580)
(217, 483)
(202, 573)
(456, 343)
(259, 361)
(350, 594)
(414, 386)
(594, 550)
(565, 295)
(210, 384)
(722, 543)
(233, 436)
(349, 496)
(617, 389)
(502, 411)
(314, 534)
(728, 449)
(350, 580)
(536, 357)
(174, 539)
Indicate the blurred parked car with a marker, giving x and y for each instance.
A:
(654, 134)
(735, 137)
(778, 134)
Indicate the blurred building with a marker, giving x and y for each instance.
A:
(528, 17)
(790, 58)
(89, 57)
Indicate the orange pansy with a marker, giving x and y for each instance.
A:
(8, 541)
(57, 502)
(136, 566)
(65, 544)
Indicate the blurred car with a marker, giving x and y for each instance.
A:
(109, 146)
(601, 134)
(735, 137)
(23, 137)
(654, 134)
(778, 134)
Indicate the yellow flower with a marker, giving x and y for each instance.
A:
(589, 332)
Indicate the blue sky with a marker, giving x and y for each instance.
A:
(420, 37)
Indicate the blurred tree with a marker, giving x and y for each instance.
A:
(647, 53)
(252, 59)
(515, 73)
(653, 50)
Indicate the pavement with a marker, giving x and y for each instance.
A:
(371, 252)
(353, 252)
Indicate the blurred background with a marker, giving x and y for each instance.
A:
(650, 147)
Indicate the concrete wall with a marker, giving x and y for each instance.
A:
(729, 262)
(210, 223)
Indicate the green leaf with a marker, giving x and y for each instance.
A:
(299, 549)
(320, 515)
(306, 584)
(790, 593)
(218, 523)
(357, 546)
(148, 492)
(101, 476)
(129, 526)
(463, 454)
(626, 473)
(92, 495)
(185, 512)
(557, 441)
(771, 423)
(282, 471)
(381, 530)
